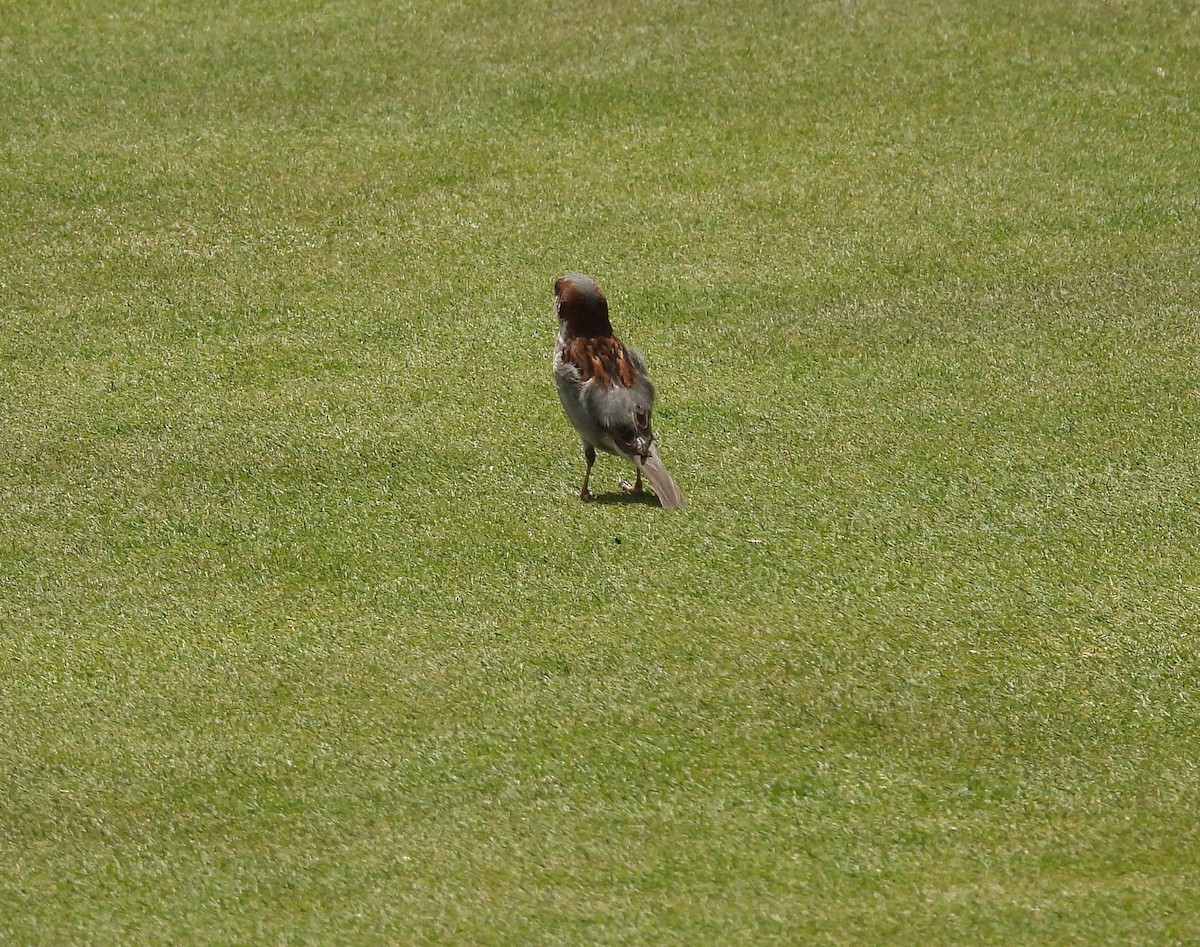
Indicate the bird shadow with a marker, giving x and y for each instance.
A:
(619, 497)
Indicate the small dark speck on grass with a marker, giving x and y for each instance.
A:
(616, 540)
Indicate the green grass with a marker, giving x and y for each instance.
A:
(304, 636)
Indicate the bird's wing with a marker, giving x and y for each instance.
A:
(631, 431)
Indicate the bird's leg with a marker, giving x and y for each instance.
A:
(635, 487)
(589, 454)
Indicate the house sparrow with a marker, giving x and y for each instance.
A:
(604, 388)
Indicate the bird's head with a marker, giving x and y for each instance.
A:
(581, 305)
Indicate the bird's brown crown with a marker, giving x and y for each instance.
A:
(581, 305)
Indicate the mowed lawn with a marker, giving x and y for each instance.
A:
(304, 634)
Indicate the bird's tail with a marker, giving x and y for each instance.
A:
(664, 486)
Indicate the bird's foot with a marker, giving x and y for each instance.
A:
(585, 494)
(635, 487)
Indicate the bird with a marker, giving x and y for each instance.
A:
(604, 388)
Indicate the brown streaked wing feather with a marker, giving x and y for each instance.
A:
(602, 359)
